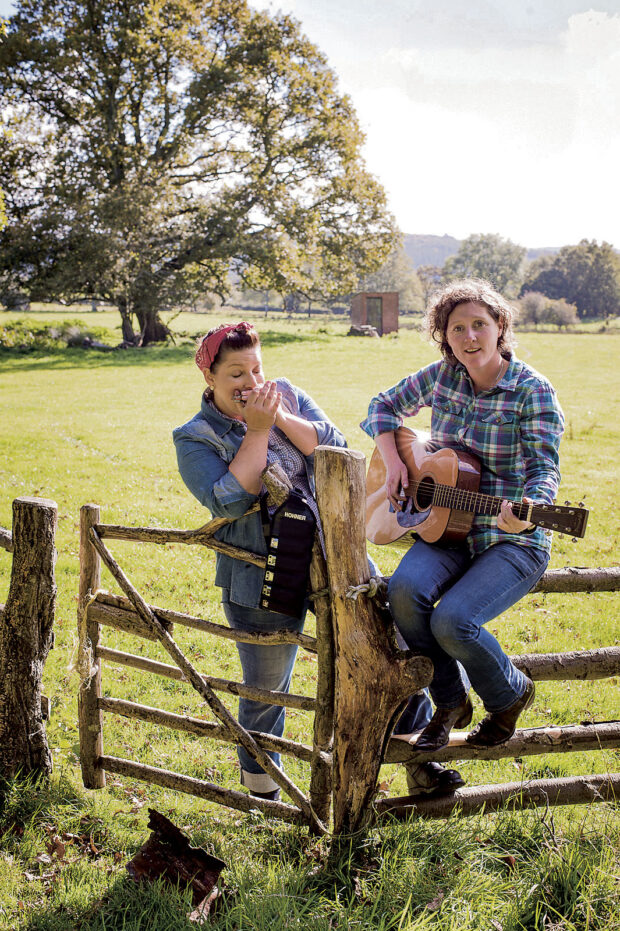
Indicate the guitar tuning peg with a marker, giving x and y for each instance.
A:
(581, 504)
(567, 503)
(574, 540)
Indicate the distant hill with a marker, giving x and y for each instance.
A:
(434, 250)
(429, 250)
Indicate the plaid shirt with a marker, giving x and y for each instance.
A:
(513, 429)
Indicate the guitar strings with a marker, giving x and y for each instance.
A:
(469, 501)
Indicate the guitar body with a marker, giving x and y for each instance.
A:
(451, 467)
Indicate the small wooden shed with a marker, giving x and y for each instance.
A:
(376, 308)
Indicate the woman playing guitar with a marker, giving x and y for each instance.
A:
(488, 403)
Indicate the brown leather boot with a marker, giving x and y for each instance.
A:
(436, 734)
(432, 779)
(499, 726)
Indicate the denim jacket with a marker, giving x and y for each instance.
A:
(205, 446)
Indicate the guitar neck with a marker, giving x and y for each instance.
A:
(569, 520)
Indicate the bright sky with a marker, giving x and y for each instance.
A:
(482, 116)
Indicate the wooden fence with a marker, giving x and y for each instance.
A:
(26, 636)
(363, 677)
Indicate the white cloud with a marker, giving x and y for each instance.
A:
(524, 141)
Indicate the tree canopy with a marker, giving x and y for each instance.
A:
(157, 147)
(586, 275)
(487, 255)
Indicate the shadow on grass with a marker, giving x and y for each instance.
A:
(20, 360)
(126, 906)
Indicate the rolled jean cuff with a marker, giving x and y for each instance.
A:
(258, 782)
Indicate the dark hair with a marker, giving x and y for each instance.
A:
(462, 291)
(242, 338)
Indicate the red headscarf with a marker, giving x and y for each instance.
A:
(208, 349)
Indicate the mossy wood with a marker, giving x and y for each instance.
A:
(26, 637)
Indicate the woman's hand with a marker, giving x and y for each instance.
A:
(396, 476)
(261, 407)
(507, 521)
(396, 479)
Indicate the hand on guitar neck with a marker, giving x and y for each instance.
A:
(509, 522)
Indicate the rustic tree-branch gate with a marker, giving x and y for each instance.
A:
(362, 681)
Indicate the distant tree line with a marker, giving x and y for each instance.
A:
(578, 282)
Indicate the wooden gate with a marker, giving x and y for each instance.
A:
(363, 677)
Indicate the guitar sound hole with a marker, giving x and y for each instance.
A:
(424, 496)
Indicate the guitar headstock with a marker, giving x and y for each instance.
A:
(571, 520)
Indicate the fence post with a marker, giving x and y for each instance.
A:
(26, 636)
(90, 715)
(373, 678)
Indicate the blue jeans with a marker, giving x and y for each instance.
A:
(441, 597)
(266, 667)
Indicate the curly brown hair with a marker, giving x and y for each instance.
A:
(462, 291)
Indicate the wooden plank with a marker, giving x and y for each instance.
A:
(579, 664)
(203, 689)
(117, 611)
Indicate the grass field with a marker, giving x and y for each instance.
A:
(81, 426)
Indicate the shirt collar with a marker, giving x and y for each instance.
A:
(508, 380)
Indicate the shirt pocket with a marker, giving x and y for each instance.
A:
(447, 419)
(495, 436)
(498, 418)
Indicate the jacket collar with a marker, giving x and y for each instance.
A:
(220, 423)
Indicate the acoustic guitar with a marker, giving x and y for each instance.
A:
(443, 498)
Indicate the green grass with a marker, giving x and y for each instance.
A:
(81, 426)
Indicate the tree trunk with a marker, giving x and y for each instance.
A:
(126, 320)
(26, 634)
(152, 328)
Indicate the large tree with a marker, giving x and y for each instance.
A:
(159, 145)
(586, 275)
(487, 255)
